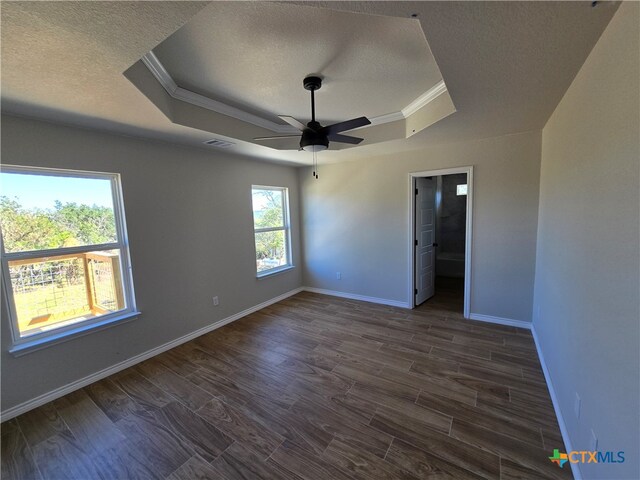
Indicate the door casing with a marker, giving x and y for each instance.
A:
(468, 234)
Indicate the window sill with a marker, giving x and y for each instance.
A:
(29, 346)
(274, 271)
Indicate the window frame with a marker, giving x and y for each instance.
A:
(39, 340)
(286, 228)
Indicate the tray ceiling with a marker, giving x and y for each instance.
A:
(254, 55)
(244, 63)
(506, 65)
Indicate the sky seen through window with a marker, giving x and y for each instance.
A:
(41, 191)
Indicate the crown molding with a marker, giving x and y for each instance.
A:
(160, 73)
(428, 96)
(157, 69)
(388, 118)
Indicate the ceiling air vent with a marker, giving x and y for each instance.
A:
(215, 142)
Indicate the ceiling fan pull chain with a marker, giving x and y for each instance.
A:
(314, 165)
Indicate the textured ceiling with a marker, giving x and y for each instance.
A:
(63, 61)
(254, 55)
(506, 64)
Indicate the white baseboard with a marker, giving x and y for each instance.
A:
(575, 469)
(83, 382)
(354, 296)
(500, 321)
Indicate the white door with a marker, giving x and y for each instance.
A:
(425, 237)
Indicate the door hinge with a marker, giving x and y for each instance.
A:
(416, 243)
(416, 291)
(416, 191)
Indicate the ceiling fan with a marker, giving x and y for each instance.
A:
(315, 137)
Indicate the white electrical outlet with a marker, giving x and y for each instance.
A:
(576, 406)
(339, 275)
(593, 445)
(216, 302)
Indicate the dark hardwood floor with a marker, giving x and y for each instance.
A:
(448, 299)
(313, 387)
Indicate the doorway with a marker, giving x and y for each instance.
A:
(440, 238)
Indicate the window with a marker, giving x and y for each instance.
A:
(271, 226)
(65, 260)
(461, 189)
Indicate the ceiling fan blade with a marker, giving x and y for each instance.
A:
(277, 137)
(348, 125)
(336, 137)
(293, 122)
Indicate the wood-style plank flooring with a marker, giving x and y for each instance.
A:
(313, 387)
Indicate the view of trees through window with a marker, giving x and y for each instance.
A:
(63, 225)
(71, 216)
(271, 229)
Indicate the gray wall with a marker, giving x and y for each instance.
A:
(586, 288)
(190, 227)
(356, 221)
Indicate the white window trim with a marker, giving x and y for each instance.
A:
(286, 228)
(37, 341)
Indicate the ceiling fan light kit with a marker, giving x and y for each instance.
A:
(312, 140)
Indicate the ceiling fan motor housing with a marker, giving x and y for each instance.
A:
(312, 83)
